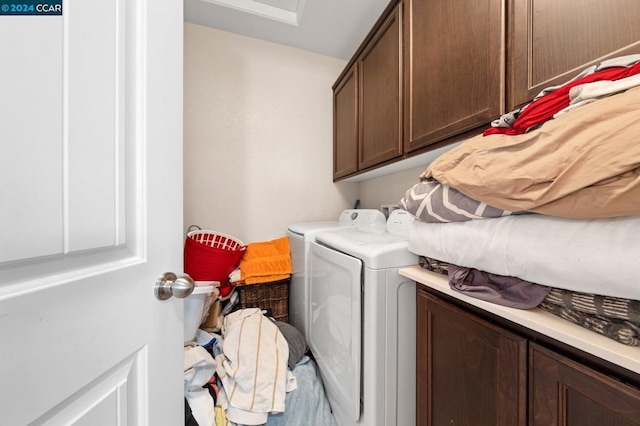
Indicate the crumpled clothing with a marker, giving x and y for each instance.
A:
(221, 418)
(253, 366)
(201, 403)
(199, 367)
(555, 99)
(310, 406)
(498, 289)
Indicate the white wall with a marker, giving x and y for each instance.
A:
(257, 136)
(388, 189)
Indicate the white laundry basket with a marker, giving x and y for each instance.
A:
(196, 307)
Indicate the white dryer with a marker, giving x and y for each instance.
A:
(361, 328)
(301, 235)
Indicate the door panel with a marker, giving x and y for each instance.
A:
(95, 51)
(31, 211)
(101, 402)
(335, 326)
(91, 217)
(73, 161)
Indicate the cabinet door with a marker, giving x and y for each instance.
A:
(551, 41)
(563, 392)
(469, 372)
(345, 125)
(453, 71)
(380, 94)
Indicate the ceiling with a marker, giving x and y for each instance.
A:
(328, 27)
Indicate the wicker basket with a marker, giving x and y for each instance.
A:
(272, 295)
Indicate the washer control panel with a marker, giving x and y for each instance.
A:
(399, 222)
(367, 220)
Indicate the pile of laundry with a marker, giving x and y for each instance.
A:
(263, 263)
(254, 372)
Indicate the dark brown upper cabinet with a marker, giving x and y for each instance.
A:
(379, 67)
(367, 101)
(551, 41)
(453, 68)
(345, 125)
(432, 72)
(469, 372)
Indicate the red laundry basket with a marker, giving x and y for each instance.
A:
(212, 256)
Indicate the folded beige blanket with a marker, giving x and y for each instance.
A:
(584, 164)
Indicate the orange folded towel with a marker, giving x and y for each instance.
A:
(266, 261)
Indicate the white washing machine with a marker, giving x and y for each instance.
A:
(301, 235)
(362, 321)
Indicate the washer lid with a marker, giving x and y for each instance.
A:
(308, 230)
(377, 251)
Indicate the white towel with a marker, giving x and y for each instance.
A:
(253, 366)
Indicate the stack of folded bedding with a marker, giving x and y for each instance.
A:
(588, 256)
(542, 209)
(616, 318)
(583, 164)
(613, 317)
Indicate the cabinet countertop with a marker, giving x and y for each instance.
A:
(540, 321)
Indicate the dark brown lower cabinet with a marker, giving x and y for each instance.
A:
(564, 392)
(470, 372)
(473, 372)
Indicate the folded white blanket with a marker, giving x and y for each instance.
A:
(599, 256)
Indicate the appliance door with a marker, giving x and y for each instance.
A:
(298, 287)
(335, 326)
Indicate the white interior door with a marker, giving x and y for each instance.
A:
(91, 214)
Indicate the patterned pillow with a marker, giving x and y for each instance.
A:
(431, 201)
